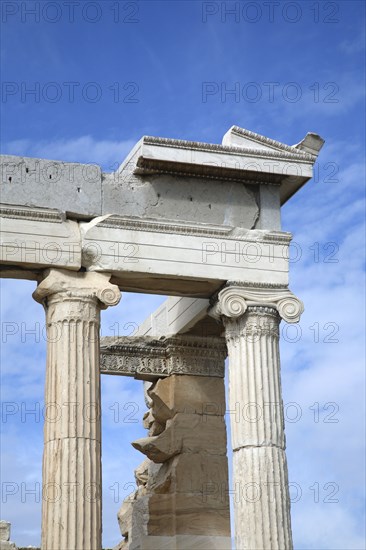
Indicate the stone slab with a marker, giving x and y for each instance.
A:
(181, 199)
(185, 542)
(70, 187)
(175, 315)
(170, 396)
(185, 433)
(35, 238)
(184, 514)
(130, 249)
(192, 473)
(270, 211)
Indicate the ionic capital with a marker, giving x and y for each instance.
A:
(80, 285)
(234, 300)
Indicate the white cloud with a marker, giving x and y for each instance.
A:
(355, 45)
(107, 153)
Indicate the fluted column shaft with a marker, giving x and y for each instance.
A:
(71, 505)
(261, 497)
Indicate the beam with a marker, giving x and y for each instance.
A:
(147, 358)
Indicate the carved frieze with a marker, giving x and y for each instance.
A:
(148, 358)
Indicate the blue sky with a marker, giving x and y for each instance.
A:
(106, 73)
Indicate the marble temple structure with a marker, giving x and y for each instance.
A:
(201, 224)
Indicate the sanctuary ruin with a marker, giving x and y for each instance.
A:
(200, 223)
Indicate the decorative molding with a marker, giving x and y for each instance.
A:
(148, 358)
(36, 214)
(138, 365)
(278, 237)
(156, 226)
(270, 142)
(254, 285)
(191, 229)
(263, 311)
(256, 178)
(234, 300)
(286, 151)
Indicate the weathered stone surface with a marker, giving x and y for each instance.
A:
(5, 542)
(192, 514)
(141, 473)
(156, 428)
(191, 473)
(185, 542)
(262, 513)
(185, 492)
(126, 512)
(151, 424)
(185, 433)
(124, 515)
(34, 238)
(181, 199)
(140, 519)
(147, 419)
(270, 208)
(69, 187)
(5, 530)
(206, 396)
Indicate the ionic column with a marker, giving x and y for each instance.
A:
(261, 503)
(71, 504)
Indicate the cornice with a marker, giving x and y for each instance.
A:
(271, 142)
(286, 152)
(152, 166)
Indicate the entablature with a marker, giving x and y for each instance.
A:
(177, 218)
(146, 358)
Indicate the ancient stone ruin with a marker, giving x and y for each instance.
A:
(200, 223)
